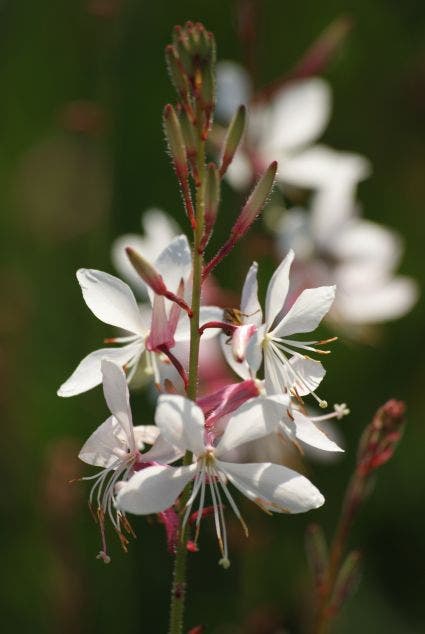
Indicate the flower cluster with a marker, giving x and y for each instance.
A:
(194, 462)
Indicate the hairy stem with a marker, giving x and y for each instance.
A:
(178, 590)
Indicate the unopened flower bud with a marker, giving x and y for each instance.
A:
(233, 138)
(347, 582)
(175, 140)
(212, 200)
(256, 201)
(177, 74)
(146, 271)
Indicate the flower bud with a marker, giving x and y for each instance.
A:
(212, 200)
(175, 140)
(233, 137)
(256, 201)
(346, 582)
(178, 77)
(146, 271)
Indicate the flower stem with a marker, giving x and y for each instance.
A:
(178, 590)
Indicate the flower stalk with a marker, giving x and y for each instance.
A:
(336, 578)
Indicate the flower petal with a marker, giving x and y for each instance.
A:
(298, 114)
(162, 451)
(110, 299)
(153, 489)
(306, 312)
(254, 419)
(145, 434)
(233, 89)
(99, 448)
(278, 289)
(175, 263)
(273, 487)
(117, 397)
(181, 422)
(88, 373)
(320, 167)
(241, 369)
(306, 431)
(250, 306)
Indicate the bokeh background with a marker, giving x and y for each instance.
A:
(81, 156)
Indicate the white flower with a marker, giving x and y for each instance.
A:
(159, 230)
(285, 128)
(115, 447)
(335, 245)
(287, 366)
(113, 302)
(272, 487)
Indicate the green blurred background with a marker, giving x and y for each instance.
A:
(74, 176)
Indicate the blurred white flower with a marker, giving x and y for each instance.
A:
(334, 244)
(285, 128)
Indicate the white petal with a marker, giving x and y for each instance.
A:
(233, 89)
(181, 422)
(298, 115)
(239, 173)
(311, 373)
(99, 449)
(153, 489)
(254, 419)
(241, 369)
(145, 434)
(110, 299)
(116, 394)
(254, 352)
(250, 306)
(306, 431)
(320, 167)
(273, 487)
(162, 451)
(278, 289)
(88, 373)
(175, 262)
(389, 300)
(307, 311)
(368, 244)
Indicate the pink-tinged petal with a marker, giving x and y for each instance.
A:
(309, 433)
(226, 400)
(240, 340)
(153, 489)
(181, 422)
(110, 299)
(161, 332)
(117, 397)
(278, 289)
(273, 487)
(257, 418)
(145, 434)
(99, 450)
(88, 373)
(250, 306)
(298, 115)
(241, 369)
(306, 312)
(162, 451)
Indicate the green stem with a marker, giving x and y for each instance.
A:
(178, 590)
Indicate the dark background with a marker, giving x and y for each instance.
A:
(64, 195)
